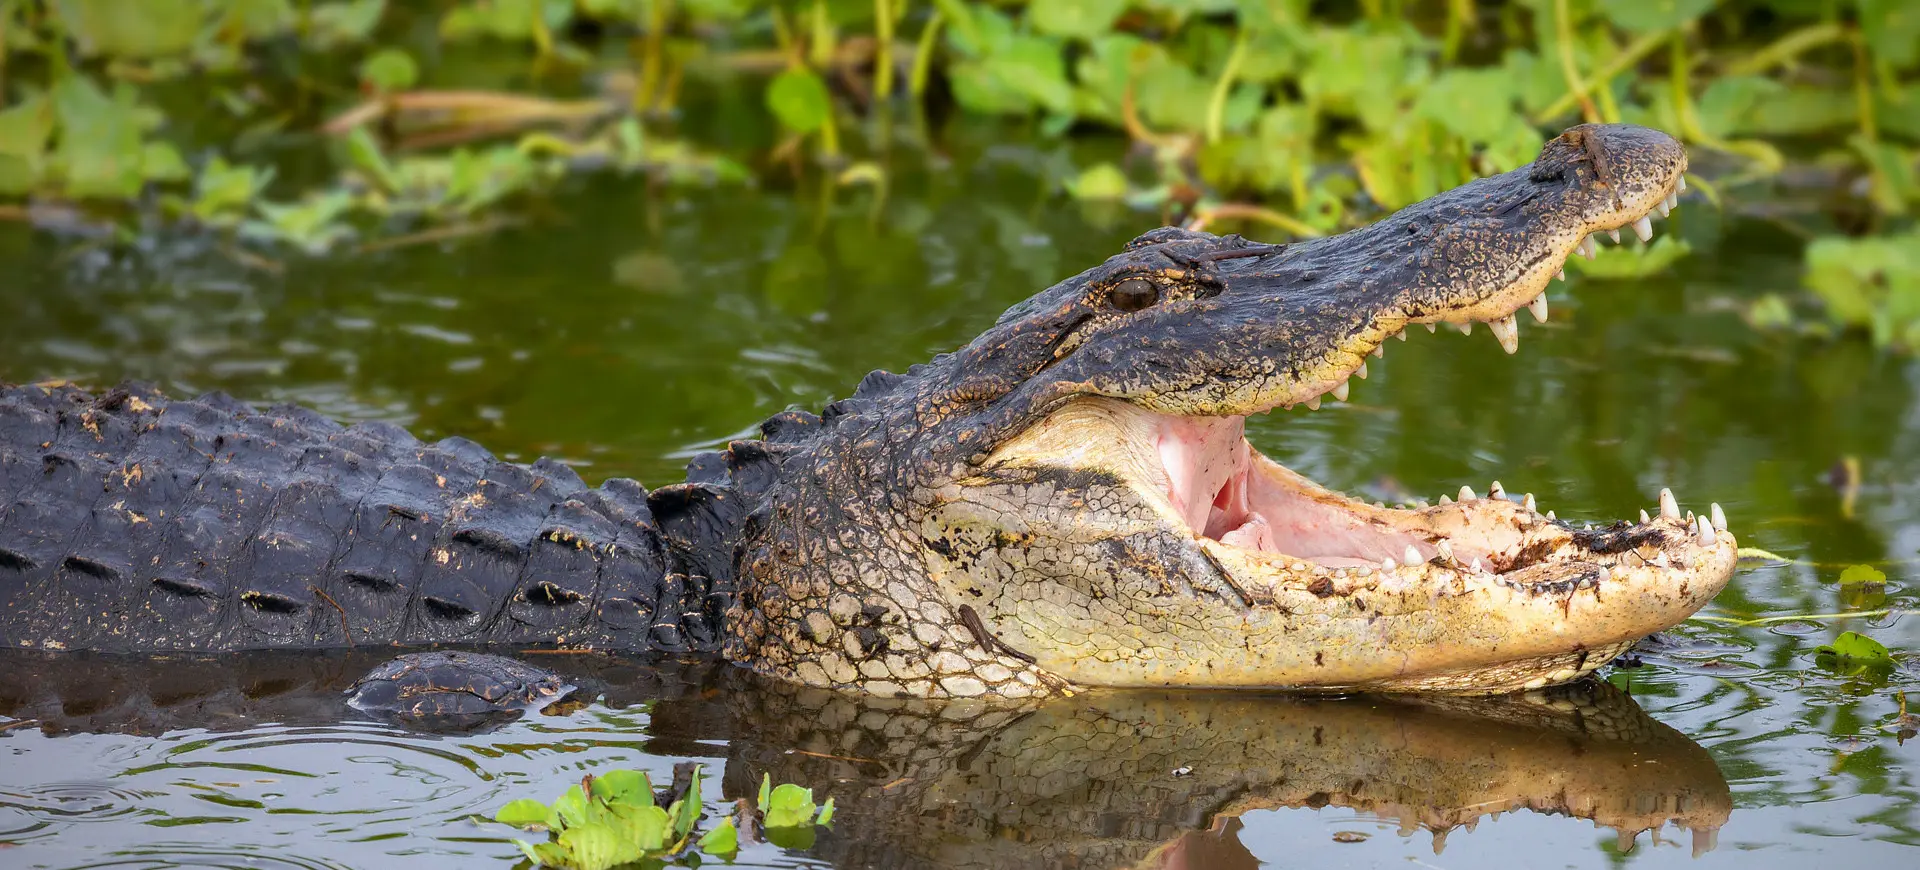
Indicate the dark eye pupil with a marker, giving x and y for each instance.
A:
(1134, 294)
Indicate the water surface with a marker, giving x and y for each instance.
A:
(626, 327)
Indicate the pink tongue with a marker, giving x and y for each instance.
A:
(1203, 456)
(1255, 534)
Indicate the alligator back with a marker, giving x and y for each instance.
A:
(129, 522)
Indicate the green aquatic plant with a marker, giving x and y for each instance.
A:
(1855, 654)
(614, 818)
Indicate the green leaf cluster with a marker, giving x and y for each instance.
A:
(1870, 283)
(1854, 654)
(611, 819)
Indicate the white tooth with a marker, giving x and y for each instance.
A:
(1680, 184)
(1476, 566)
(1361, 372)
(1660, 561)
(1669, 509)
(1340, 392)
(1529, 504)
(1585, 248)
(1643, 228)
(1663, 208)
(1465, 328)
(1614, 234)
(1539, 307)
(1380, 504)
(1431, 327)
(1507, 331)
(1413, 556)
(1380, 350)
(1496, 490)
(1466, 493)
(1605, 574)
(1446, 549)
(1644, 519)
(1719, 517)
(1562, 274)
(1313, 403)
(1402, 334)
(1551, 516)
(1705, 530)
(1387, 565)
(1446, 499)
(1673, 200)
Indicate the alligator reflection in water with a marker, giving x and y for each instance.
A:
(1106, 779)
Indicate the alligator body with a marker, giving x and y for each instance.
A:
(1067, 500)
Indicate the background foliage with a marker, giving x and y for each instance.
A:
(313, 124)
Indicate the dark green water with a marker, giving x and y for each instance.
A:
(628, 327)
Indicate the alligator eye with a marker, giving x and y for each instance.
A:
(1134, 294)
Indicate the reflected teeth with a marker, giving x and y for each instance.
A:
(1507, 332)
(1669, 509)
(1466, 493)
(1413, 556)
(1643, 228)
(1719, 517)
(1704, 529)
(1340, 392)
(1539, 307)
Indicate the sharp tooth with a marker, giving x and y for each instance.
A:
(1561, 274)
(1643, 228)
(1507, 331)
(1719, 517)
(1680, 184)
(1496, 490)
(1529, 504)
(1705, 530)
(1539, 307)
(1551, 516)
(1476, 566)
(1387, 565)
(1340, 392)
(1360, 372)
(1446, 549)
(1402, 334)
(1380, 350)
(1673, 201)
(1614, 234)
(1644, 519)
(1663, 208)
(1413, 556)
(1446, 499)
(1466, 493)
(1466, 327)
(1660, 560)
(1431, 327)
(1589, 248)
(1669, 509)
(1314, 403)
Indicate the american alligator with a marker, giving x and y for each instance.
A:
(1066, 501)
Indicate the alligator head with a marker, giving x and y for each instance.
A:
(1069, 499)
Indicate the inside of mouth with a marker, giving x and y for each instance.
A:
(1228, 492)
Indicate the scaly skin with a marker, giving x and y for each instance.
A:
(1065, 501)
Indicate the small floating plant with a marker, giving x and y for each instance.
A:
(615, 818)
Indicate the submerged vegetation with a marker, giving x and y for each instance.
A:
(438, 119)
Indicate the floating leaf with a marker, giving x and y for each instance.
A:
(723, 841)
(686, 811)
(1857, 648)
(1857, 574)
(789, 806)
(595, 847)
(623, 786)
(524, 813)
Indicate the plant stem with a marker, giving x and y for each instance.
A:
(1246, 211)
(923, 56)
(1787, 48)
(1863, 86)
(1563, 36)
(883, 50)
(1459, 12)
(1635, 52)
(1217, 104)
(1799, 617)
